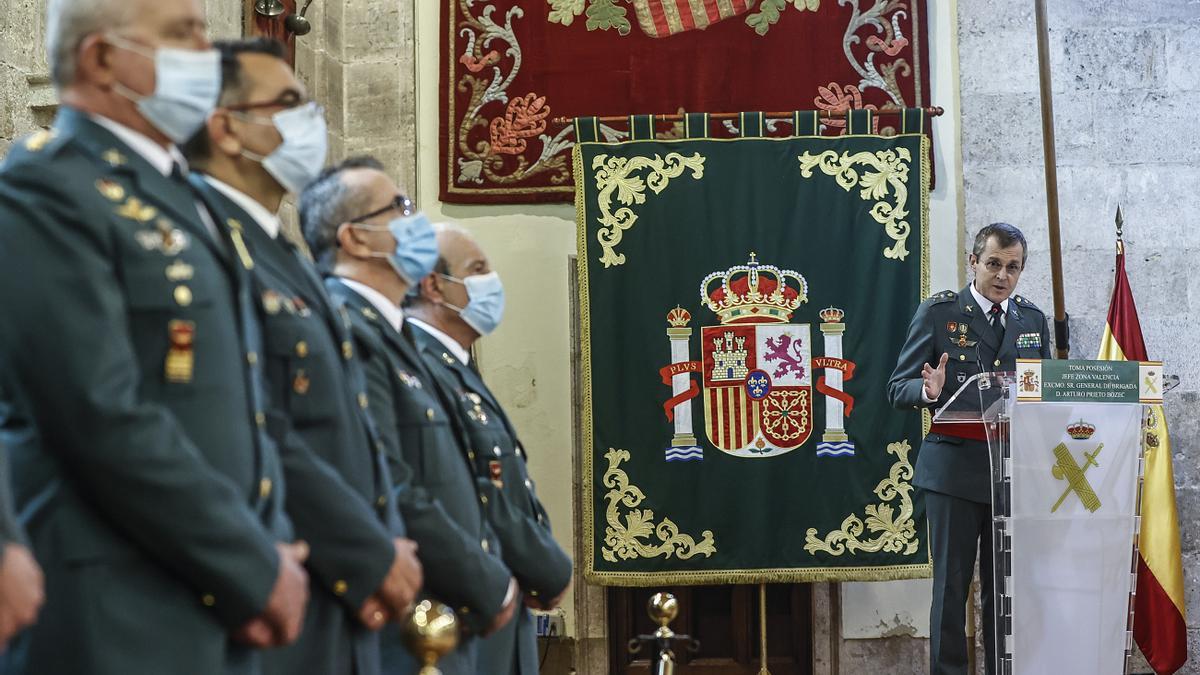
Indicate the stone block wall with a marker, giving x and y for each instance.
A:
(1126, 88)
(359, 63)
(27, 99)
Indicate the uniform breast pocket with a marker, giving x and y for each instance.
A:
(170, 322)
(298, 371)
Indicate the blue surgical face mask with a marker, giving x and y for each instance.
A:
(186, 86)
(485, 301)
(416, 246)
(299, 158)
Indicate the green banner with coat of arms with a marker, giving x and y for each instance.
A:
(742, 306)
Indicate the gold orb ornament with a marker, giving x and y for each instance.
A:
(430, 633)
(662, 608)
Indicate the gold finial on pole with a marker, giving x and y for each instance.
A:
(430, 633)
(663, 608)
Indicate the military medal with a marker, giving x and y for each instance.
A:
(477, 414)
(271, 302)
(180, 271)
(952, 326)
(181, 357)
(301, 307)
(301, 382)
(135, 210)
(496, 473)
(110, 189)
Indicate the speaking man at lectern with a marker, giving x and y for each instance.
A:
(954, 336)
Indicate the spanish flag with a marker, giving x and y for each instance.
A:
(1160, 618)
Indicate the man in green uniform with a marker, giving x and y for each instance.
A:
(265, 140)
(954, 336)
(22, 589)
(462, 301)
(136, 423)
(375, 244)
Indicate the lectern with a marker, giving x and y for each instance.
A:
(1066, 444)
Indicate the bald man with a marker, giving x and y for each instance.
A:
(461, 302)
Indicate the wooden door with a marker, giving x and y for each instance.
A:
(725, 619)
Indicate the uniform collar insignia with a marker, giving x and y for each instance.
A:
(113, 157)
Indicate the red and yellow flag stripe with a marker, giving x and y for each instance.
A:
(1160, 615)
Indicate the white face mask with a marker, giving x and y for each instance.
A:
(485, 301)
(299, 159)
(187, 84)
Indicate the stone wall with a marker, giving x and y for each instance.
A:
(26, 95)
(1126, 88)
(359, 63)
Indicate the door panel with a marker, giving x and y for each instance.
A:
(725, 620)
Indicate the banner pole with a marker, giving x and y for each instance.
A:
(762, 629)
(1061, 328)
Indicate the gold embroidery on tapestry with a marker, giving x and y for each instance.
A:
(631, 538)
(895, 532)
(890, 176)
(617, 177)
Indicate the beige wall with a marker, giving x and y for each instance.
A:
(528, 361)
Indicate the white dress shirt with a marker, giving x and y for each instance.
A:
(159, 157)
(986, 305)
(162, 159)
(268, 221)
(390, 311)
(460, 352)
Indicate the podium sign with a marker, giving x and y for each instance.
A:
(1065, 439)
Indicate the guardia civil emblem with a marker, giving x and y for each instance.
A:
(757, 368)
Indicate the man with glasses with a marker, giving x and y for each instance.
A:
(266, 140)
(954, 336)
(135, 420)
(377, 245)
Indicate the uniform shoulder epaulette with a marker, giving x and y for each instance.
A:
(944, 296)
(1024, 302)
(42, 142)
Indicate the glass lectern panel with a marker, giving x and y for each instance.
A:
(1065, 480)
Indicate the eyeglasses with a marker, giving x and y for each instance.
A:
(994, 267)
(403, 205)
(288, 99)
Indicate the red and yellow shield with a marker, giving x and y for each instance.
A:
(757, 387)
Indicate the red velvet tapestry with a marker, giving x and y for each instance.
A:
(511, 66)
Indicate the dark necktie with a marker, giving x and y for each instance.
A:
(995, 313)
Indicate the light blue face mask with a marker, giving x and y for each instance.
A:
(299, 158)
(186, 86)
(485, 301)
(416, 246)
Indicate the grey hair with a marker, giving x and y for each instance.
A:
(328, 202)
(69, 22)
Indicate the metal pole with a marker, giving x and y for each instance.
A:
(1061, 333)
(762, 630)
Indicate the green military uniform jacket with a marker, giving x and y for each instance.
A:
(536, 560)
(317, 386)
(135, 424)
(947, 464)
(432, 482)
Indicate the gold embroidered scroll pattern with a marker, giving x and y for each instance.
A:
(616, 177)
(895, 532)
(631, 538)
(890, 174)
